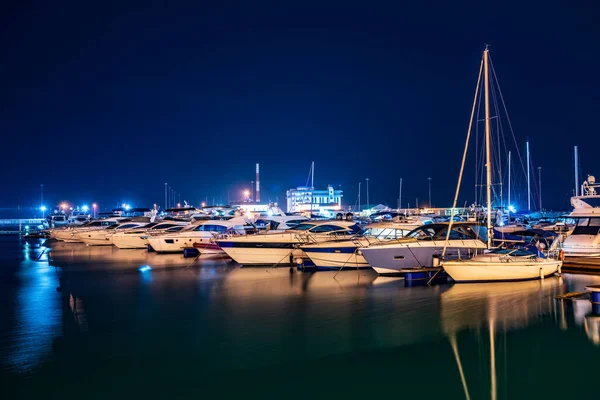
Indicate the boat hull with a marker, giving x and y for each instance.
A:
(336, 256)
(392, 259)
(130, 241)
(284, 254)
(178, 243)
(481, 271)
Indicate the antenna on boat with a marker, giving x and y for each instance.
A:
(576, 171)
(400, 196)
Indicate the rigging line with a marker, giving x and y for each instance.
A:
(464, 158)
(499, 149)
(495, 77)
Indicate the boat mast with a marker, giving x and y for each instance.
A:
(528, 180)
(488, 161)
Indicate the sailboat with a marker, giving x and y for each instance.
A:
(495, 265)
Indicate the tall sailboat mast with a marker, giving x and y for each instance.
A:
(488, 161)
(509, 205)
(528, 179)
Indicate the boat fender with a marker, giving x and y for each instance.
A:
(561, 255)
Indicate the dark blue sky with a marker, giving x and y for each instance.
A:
(107, 102)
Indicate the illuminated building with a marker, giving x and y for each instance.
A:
(323, 202)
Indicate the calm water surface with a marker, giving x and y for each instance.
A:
(86, 322)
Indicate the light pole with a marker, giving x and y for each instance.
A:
(540, 179)
(94, 205)
(368, 204)
(429, 180)
(252, 188)
(41, 195)
(166, 206)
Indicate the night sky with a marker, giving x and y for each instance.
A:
(106, 103)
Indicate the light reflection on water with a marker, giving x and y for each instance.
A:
(215, 316)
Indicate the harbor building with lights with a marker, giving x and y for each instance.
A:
(326, 202)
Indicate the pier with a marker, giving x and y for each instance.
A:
(582, 265)
(13, 226)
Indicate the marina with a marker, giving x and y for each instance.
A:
(286, 200)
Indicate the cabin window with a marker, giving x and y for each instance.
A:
(587, 226)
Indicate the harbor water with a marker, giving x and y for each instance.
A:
(99, 322)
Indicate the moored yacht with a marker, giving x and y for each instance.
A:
(200, 235)
(584, 241)
(278, 248)
(345, 253)
(69, 234)
(137, 238)
(103, 236)
(422, 245)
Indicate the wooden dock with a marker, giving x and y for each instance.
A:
(581, 265)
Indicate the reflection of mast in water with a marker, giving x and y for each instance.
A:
(511, 304)
(493, 358)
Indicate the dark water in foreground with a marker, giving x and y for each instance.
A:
(222, 331)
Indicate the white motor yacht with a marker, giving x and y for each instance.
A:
(69, 234)
(345, 253)
(277, 248)
(200, 235)
(584, 241)
(422, 245)
(103, 236)
(137, 238)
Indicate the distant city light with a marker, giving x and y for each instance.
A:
(203, 204)
(85, 208)
(63, 206)
(127, 207)
(43, 208)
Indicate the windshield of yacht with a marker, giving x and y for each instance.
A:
(587, 226)
(148, 226)
(303, 227)
(438, 232)
(124, 226)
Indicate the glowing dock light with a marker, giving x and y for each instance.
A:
(85, 208)
(512, 209)
(43, 208)
(145, 268)
(127, 207)
(63, 206)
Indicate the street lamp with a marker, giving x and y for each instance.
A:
(94, 205)
(246, 195)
